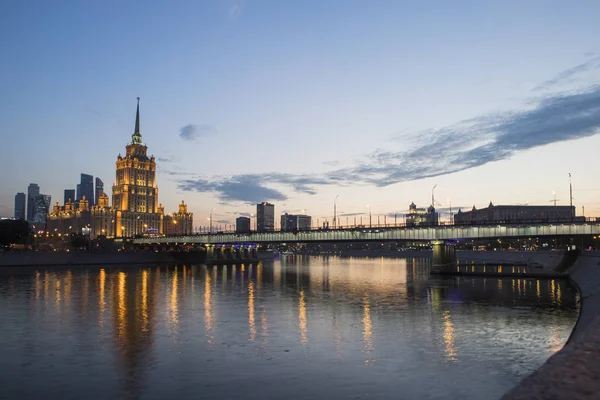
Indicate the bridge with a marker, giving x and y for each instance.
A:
(442, 232)
(443, 238)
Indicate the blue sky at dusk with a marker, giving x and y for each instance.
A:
(297, 102)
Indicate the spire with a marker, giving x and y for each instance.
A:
(136, 138)
(137, 118)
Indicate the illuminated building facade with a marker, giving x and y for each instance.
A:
(179, 223)
(70, 218)
(135, 194)
(421, 216)
(135, 209)
(103, 218)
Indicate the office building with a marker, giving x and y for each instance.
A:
(42, 208)
(99, 189)
(292, 223)
(516, 213)
(32, 192)
(20, 205)
(265, 217)
(69, 194)
(242, 225)
(86, 188)
(421, 216)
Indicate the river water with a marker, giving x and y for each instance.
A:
(299, 327)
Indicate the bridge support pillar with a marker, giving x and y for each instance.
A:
(444, 257)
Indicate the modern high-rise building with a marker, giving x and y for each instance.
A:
(20, 201)
(265, 217)
(242, 225)
(135, 194)
(32, 192)
(99, 189)
(42, 208)
(86, 188)
(69, 194)
(292, 222)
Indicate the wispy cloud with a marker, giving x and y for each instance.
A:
(193, 133)
(332, 163)
(569, 75)
(253, 188)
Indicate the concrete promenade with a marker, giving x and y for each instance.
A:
(574, 371)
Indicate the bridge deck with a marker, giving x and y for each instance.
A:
(386, 234)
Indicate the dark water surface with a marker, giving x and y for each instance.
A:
(298, 328)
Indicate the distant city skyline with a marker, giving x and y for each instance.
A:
(298, 103)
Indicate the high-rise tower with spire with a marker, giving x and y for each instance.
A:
(135, 194)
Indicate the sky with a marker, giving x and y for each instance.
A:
(297, 103)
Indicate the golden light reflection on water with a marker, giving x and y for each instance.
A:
(538, 290)
(101, 300)
(144, 300)
(558, 296)
(552, 290)
(302, 318)
(173, 303)
(57, 293)
(67, 291)
(121, 305)
(38, 285)
(251, 325)
(208, 307)
(367, 330)
(451, 353)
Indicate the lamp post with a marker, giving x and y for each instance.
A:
(335, 212)
(571, 195)
(210, 220)
(450, 202)
(433, 195)
(370, 220)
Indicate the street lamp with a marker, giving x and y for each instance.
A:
(210, 220)
(450, 202)
(433, 196)
(335, 212)
(369, 207)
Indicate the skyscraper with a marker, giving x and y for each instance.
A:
(20, 200)
(135, 194)
(265, 217)
(86, 188)
(99, 189)
(32, 191)
(42, 207)
(69, 194)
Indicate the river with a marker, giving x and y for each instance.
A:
(298, 327)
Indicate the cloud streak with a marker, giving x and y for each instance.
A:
(482, 140)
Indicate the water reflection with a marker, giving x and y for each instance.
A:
(367, 330)
(135, 327)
